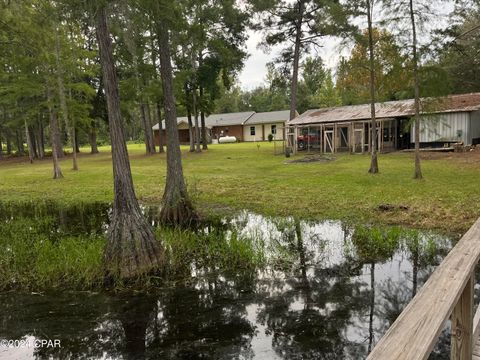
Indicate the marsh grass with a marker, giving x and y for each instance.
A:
(39, 251)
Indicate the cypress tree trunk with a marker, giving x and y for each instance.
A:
(296, 61)
(57, 171)
(177, 207)
(374, 162)
(131, 249)
(29, 143)
(160, 128)
(92, 138)
(418, 169)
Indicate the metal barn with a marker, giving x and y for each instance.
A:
(447, 120)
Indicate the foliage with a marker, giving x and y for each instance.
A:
(458, 49)
(392, 78)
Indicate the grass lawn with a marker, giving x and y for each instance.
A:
(236, 176)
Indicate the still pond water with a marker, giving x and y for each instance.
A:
(333, 298)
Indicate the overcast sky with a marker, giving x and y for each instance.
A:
(254, 71)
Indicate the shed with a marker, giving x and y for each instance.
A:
(444, 120)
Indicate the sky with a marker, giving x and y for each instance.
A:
(255, 70)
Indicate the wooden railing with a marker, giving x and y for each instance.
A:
(448, 293)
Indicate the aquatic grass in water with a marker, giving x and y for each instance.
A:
(43, 248)
(216, 250)
(32, 259)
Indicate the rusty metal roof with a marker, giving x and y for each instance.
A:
(390, 109)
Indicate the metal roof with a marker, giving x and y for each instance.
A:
(269, 117)
(390, 109)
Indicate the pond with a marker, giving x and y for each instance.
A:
(326, 290)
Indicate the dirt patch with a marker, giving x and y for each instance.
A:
(468, 157)
(391, 207)
(312, 158)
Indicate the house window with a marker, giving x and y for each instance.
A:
(252, 130)
(274, 129)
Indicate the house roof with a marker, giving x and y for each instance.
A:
(238, 118)
(228, 119)
(182, 119)
(390, 109)
(269, 117)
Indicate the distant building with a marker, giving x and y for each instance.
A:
(245, 126)
(260, 125)
(446, 120)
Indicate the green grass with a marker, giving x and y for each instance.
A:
(40, 253)
(236, 176)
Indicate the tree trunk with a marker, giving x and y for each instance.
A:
(160, 128)
(57, 171)
(20, 148)
(195, 116)
(202, 121)
(191, 135)
(33, 142)
(189, 118)
(38, 133)
(77, 143)
(296, 62)
(92, 138)
(374, 162)
(131, 249)
(59, 142)
(147, 128)
(144, 126)
(1, 145)
(29, 143)
(40, 140)
(158, 110)
(418, 169)
(176, 205)
(63, 103)
(9, 144)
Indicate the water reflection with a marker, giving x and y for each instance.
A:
(330, 291)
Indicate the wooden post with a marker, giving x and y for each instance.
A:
(321, 140)
(334, 138)
(462, 324)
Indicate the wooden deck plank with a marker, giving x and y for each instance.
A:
(414, 334)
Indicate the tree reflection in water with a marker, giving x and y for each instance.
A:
(329, 292)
